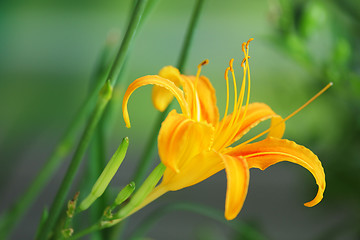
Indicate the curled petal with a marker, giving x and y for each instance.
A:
(277, 127)
(196, 170)
(206, 96)
(181, 138)
(161, 97)
(237, 173)
(273, 150)
(256, 113)
(171, 73)
(154, 80)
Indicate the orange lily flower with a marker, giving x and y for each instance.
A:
(196, 144)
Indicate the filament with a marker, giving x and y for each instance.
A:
(233, 127)
(196, 101)
(291, 115)
(227, 100)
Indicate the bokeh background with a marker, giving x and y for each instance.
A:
(48, 54)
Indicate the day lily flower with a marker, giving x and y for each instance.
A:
(195, 144)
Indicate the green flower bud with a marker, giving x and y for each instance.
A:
(143, 191)
(106, 176)
(125, 193)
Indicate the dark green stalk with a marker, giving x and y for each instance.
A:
(13, 215)
(145, 160)
(131, 207)
(127, 41)
(189, 35)
(97, 153)
(99, 109)
(93, 228)
(246, 231)
(43, 218)
(60, 197)
(19, 208)
(95, 165)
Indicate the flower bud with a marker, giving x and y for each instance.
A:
(106, 176)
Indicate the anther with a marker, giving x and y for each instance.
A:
(247, 43)
(226, 73)
(206, 61)
(243, 46)
(244, 60)
(231, 65)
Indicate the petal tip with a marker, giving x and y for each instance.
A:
(229, 216)
(312, 203)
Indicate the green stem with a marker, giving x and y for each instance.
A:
(246, 231)
(13, 215)
(127, 41)
(97, 155)
(95, 165)
(135, 203)
(43, 218)
(189, 35)
(150, 150)
(102, 102)
(140, 195)
(18, 209)
(93, 228)
(61, 195)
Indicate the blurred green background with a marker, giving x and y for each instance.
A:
(48, 53)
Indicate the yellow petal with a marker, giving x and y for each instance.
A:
(273, 150)
(237, 173)
(171, 73)
(196, 170)
(256, 113)
(161, 97)
(154, 80)
(277, 127)
(206, 95)
(181, 138)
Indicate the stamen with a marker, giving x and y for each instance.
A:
(234, 81)
(235, 126)
(309, 101)
(291, 115)
(196, 102)
(233, 117)
(230, 68)
(247, 43)
(244, 61)
(206, 61)
(227, 100)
